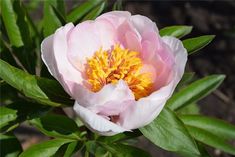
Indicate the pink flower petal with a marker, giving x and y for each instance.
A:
(142, 23)
(147, 109)
(88, 37)
(97, 123)
(54, 55)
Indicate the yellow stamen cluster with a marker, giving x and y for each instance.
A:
(110, 66)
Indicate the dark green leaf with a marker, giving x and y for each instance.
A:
(95, 12)
(117, 5)
(17, 112)
(116, 150)
(7, 115)
(8, 93)
(187, 77)
(194, 44)
(9, 146)
(169, 133)
(5, 52)
(176, 31)
(203, 150)
(50, 20)
(218, 127)
(42, 90)
(123, 150)
(77, 13)
(10, 23)
(189, 109)
(120, 137)
(22, 23)
(59, 15)
(195, 91)
(72, 148)
(57, 126)
(44, 149)
(210, 139)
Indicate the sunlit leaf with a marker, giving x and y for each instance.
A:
(176, 31)
(95, 12)
(50, 20)
(77, 13)
(195, 91)
(9, 19)
(218, 127)
(210, 139)
(44, 91)
(57, 126)
(45, 149)
(169, 133)
(195, 44)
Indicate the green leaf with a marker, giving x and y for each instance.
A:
(176, 31)
(76, 14)
(59, 15)
(169, 133)
(45, 149)
(5, 52)
(218, 127)
(95, 12)
(22, 23)
(189, 109)
(9, 146)
(210, 139)
(57, 126)
(117, 5)
(123, 150)
(194, 44)
(116, 150)
(9, 95)
(50, 20)
(7, 115)
(187, 77)
(202, 150)
(120, 137)
(72, 148)
(44, 91)
(13, 114)
(195, 91)
(9, 19)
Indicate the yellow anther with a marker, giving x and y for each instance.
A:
(110, 66)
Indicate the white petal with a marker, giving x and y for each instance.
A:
(147, 109)
(97, 123)
(54, 55)
(142, 24)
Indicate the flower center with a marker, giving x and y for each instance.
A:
(110, 66)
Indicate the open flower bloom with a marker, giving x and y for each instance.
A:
(117, 68)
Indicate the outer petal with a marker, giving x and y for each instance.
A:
(147, 109)
(88, 37)
(115, 17)
(109, 93)
(97, 123)
(54, 55)
(142, 23)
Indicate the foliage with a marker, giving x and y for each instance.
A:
(31, 95)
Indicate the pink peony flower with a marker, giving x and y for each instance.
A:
(117, 68)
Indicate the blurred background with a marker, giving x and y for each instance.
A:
(215, 17)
